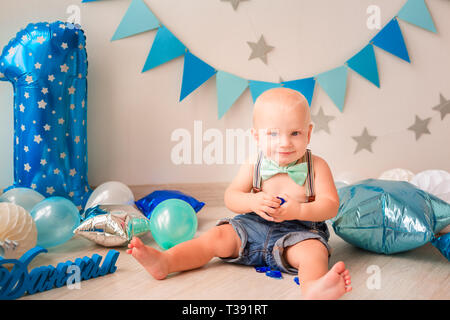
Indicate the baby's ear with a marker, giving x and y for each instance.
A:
(309, 132)
(255, 134)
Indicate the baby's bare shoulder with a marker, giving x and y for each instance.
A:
(320, 164)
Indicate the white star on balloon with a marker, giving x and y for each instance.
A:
(22, 127)
(44, 90)
(56, 171)
(33, 186)
(73, 172)
(71, 194)
(64, 68)
(51, 78)
(60, 121)
(64, 45)
(72, 106)
(26, 149)
(11, 50)
(62, 155)
(29, 79)
(47, 127)
(77, 139)
(37, 65)
(71, 90)
(37, 139)
(62, 26)
(21, 108)
(40, 39)
(27, 167)
(42, 104)
(50, 190)
(26, 95)
(43, 162)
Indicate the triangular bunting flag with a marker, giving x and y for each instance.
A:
(258, 87)
(304, 86)
(390, 38)
(195, 73)
(165, 47)
(365, 63)
(334, 83)
(137, 19)
(229, 89)
(416, 12)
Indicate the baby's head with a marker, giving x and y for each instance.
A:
(282, 124)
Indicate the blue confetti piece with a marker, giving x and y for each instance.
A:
(282, 201)
(296, 280)
(262, 269)
(274, 274)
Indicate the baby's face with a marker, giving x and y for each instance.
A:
(282, 126)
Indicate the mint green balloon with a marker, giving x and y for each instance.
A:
(173, 221)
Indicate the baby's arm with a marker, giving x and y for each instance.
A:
(326, 204)
(239, 199)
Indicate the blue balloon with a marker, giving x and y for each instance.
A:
(56, 218)
(387, 217)
(24, 197)
(47, 66)
(172, 222)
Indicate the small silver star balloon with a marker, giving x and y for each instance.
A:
(234, 3)
(321, 121)
(420, 127)
(364, 141)
(260, 49)
(443, 107)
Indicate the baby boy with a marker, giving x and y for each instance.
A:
(281, 197)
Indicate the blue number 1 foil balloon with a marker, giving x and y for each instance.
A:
(47, 66)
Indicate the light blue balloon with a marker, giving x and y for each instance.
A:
(173, 221)
(25, 197)
(56, 218)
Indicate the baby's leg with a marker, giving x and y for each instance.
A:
(221, 241)
(310, 257)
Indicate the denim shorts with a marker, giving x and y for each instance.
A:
(263, 242)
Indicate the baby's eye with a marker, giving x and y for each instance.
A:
(272, 133)
(296, 133)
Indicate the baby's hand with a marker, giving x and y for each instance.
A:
(288, 211)
(264, 204)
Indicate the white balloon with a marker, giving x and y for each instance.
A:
(397, 174)
(442, 190)
(112, 192)
(17, 225)
(427, 180)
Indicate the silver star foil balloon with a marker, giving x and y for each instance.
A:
(113, 225)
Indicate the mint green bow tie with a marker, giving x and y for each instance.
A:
(297, 172)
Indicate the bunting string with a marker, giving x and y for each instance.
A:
(166, 47)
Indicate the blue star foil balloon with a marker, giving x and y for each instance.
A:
(47, 66)
(389, 216)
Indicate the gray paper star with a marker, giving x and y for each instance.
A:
(321, 121)
(420, 127)
(260, 49)
(443, 107)
(364, 141)
(234, 3)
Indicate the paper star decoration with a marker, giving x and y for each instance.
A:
(260, 49)
(321, 121)
(364, 141)
(443, 107)
(420, 127)
(234, 3)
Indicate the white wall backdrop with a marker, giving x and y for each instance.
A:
(131, 115)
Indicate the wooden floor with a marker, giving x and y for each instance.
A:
(419, 274)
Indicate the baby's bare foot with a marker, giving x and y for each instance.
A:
(151, 259)
(334, 284)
